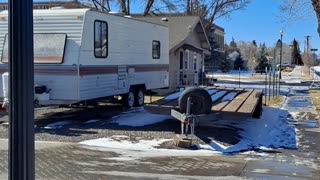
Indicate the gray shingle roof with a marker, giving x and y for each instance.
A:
(179, 26)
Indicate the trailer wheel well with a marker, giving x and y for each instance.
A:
(138, 86)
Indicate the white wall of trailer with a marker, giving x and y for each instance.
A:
(129, 44)
(78, 77)
(57, 77)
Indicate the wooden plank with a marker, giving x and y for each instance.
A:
(225, 100)
(251, 102)
(236, 103)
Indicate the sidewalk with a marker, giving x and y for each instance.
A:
(71, 161)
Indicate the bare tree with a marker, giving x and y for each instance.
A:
(316, 7)
(101, 5)
(295, 10)
(248, 51)
(214, 9)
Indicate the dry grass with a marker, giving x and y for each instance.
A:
(315, 97)
(275, 101)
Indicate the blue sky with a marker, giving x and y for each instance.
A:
(260, 21)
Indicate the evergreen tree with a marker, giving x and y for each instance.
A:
(238, 63)
(233, 45)
(254, 43)
(214, 59)
(296, 56)
(225, 64)
(262, 59)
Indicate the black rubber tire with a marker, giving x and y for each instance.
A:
(200, 101)
(125, 99)
(139, 102)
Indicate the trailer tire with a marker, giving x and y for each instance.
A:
(139, 97)
(128, 99)
(200, 101)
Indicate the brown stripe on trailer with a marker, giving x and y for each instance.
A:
(87, 70)
(148, 68)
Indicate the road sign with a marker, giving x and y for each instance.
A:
(314, 49)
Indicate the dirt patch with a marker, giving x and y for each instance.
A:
(275, 101)
(315, 97)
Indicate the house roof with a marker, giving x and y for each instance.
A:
(179, 28)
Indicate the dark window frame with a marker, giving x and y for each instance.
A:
(157, 48)
(94, 39)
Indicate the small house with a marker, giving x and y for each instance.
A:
(188, 44)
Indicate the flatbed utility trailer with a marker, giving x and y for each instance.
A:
(227, 103)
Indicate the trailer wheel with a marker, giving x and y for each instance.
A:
(139, 97)
(129, 99)
(200, 101)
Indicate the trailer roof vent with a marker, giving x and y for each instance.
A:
(164, 19)
(115, 13)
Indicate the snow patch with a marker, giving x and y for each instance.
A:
(138, 117)
(271, 131)
(58, 125)
(92, 121)
(129, 150)
(229, 96)
(217, 96)
(173, 96)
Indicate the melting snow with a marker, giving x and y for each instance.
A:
(138, 117)
(229, 96)
(140, 149)
(272, 130)
(57, 125)
(173, 96)
(217, 96)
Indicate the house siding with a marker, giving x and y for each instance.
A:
(174, 69)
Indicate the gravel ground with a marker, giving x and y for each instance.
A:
(79, 130)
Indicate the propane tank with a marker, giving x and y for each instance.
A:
(5, 88)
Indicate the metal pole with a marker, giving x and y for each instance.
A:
(279, 80)
(273, 82)
(265, 86)
(21, 112)
(273, 70)
(188, 113)
(281, 34)
(239, 76)
(269, 83)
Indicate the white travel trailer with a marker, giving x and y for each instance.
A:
(83, 54)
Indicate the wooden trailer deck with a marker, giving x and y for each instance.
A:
(236, 101)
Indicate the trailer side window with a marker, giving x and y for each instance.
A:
(156, 49)
(100, 39)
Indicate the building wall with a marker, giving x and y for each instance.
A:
(218, 35)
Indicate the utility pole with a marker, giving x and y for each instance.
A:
(308, 40)
(21, 86)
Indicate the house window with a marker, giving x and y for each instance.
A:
(156, 49)
(181, 60)
(186, 60)
(100, 39)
